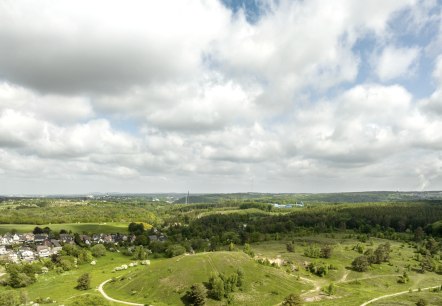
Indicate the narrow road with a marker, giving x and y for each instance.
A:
(100, 289)
(395, 294)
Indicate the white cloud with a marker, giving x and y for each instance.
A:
(174, 94)
(395, 62)
(57, 108)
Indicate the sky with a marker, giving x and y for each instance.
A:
(220, 96)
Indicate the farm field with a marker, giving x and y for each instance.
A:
(107, 227)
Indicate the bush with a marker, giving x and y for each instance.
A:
(326, 251)
(175, 250)
(98, 250)
(421, 302)
(89, 300)
(248, 250)
(312, 251)
(290, 247)
(84, 282)
(292, 300)
(197, 295)
(9, 298)
(360, 264)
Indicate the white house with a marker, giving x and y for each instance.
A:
(43, 251)
(3, 250)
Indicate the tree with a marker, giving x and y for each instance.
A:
(421, 302)
(84, 282)
(240, 280)
(290, 247)
(292, 300)
(9, 298)
(37, 230)
(98, 250)
(197, 295)
(382, 253)
(136, 228)
(432, 245)
(419, 234)
(330, 289)
(248, 250)
(231, 247)
(216, 287)
(140, 253)
(175, 250)
(326, 251)
(84, 256)
(360, 263)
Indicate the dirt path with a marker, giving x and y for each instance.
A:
(365, 278)
(344, 277)
(100, 289)
(395, 294)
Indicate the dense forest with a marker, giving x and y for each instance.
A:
(367, 218)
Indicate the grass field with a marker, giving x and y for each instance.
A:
(61, 287)
(166, 281)
(410, 299)
(353, 288)
(109, 227)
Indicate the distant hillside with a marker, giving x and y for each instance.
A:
(346, 197)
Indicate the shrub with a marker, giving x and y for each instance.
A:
(175, 250)
(360, 263)
(197, 295)
(84, 282)
(292, 300)
(98, 250)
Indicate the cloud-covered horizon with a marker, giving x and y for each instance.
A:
(209, 96)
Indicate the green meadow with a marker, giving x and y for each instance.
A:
(108, 227)
(166, 281)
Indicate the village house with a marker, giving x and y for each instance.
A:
(86, 239)
(3, 250)
(56, 247)
(4, 240)
(26, 253)
(66, 238)
(40, 238)
(43, 251)
(13, 257)
(28, 237)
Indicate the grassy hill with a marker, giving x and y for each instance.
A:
(166, 281)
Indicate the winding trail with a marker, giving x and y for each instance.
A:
(395, 294)
(100, 289)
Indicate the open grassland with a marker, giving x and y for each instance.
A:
(108, 227)
(351, 287)
(166, 281)
(410, 299)
(61, 287)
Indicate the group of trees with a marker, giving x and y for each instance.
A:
(313, 251)
(372, 219)
(86, 212)
(220, 286)
(21, 275)
(380, 255)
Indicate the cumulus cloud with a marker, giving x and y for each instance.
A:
(80, 47)
(396, 62)
(433, 104)
(174, 95)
